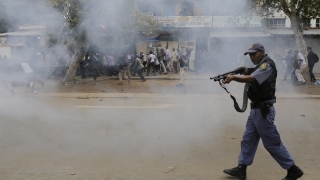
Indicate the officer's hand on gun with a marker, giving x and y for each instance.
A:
(230, 77)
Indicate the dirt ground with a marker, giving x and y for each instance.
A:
(119, 138)
(192, 86)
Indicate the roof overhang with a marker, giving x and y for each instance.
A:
(153, 38)
(27, 33)
(240, 34)
(290, 32)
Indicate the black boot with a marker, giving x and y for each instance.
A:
(239, 172)
(293, 173)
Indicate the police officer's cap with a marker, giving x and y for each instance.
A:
(254, 48)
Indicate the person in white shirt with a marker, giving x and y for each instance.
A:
(192, 59)
(302, 62)
(175, 59)
(151, 63)
(169, 60)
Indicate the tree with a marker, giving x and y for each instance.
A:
(69, 32)
(105, 23)
(300, 12)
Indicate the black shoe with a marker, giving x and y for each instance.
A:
(293, 173)
(239, 172)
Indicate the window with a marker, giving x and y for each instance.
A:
(276, 23)
(317, 22)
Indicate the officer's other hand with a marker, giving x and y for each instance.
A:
(228, 79)
(246, 70)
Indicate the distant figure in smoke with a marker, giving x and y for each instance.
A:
(192, 60)
(260, 123)
(161, 58)
(138, 67)
(93, 65)
(299, 64)
(83, 64)
(183, 64)
(312, 59)
(129, 59)
(111, 65)
(289, 60)
(169, 58)
(152, 63)
(122, 64)
(175, 60)
(144, 61)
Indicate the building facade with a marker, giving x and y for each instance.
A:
(207, 26)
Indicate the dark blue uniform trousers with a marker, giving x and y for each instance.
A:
(258, 127)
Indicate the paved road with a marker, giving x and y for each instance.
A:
(146, 137)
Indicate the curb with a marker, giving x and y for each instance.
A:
(147, 78)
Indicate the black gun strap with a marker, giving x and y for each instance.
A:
(235, 103)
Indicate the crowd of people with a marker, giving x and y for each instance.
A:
(125, 65)
(129, 63)
(26, 70)
(295, 64)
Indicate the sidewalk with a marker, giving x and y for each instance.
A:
(170, 76)
(197, 86)
(156, 95)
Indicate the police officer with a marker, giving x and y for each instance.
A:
(260, 123)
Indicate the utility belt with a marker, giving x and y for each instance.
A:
(265, 107)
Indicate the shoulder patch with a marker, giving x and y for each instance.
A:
(263, 66)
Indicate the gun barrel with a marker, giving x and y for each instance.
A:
(223, 76)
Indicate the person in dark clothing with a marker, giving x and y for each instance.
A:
(312, 59)
(84, 64)
(183, 64)
(260, 123)
(93, 64)
(289, 59)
